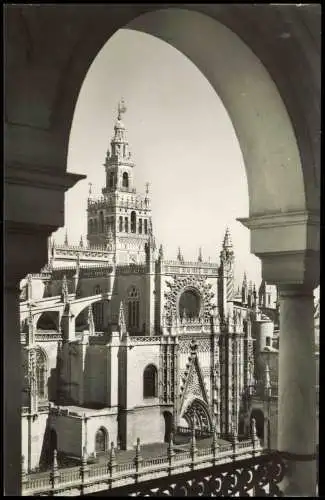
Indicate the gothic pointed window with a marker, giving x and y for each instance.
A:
(145, 226)
(125, 180)
(95, 226)
(111, 179)
(91, 226)
(133, 309)
(126, 224)
(140, 226)
(133, 222)
(121, 224)
(150, 382)
(41, 374)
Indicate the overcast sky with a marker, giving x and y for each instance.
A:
(182, 141)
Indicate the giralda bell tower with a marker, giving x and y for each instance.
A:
(120, 219)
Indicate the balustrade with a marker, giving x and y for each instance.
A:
(248, 456)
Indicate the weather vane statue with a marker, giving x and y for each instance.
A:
(121, 108)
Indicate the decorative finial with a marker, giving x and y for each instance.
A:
(112, 456)
(121, 320)
(65, 290)
(245, 279)
(66, 243)
(81, 243)
(147, 188)
(200, 255)
(138, 448)
(161, 252)
(91, 324)
(267, 377)
(55, 460)
(90, 186)
(253, 427)
(84, 457)
(121, 109)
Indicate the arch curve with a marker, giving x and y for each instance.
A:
(245, 85)
(197, 413)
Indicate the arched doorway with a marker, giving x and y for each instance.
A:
(101, 441)
(197, 413)
(168, 425)
(258, 415)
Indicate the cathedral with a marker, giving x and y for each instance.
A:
(120, 343)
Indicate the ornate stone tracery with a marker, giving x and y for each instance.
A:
(181, 283)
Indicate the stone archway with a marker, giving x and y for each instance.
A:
(42, 86)
(198, 414)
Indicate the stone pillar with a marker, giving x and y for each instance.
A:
(68, 325)
(12, 387)
(288, 245)
(297, 394)
(34, 208)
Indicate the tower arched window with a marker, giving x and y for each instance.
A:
(133, 222)
(126, 224)
(111, 179)
(133, 308)
(125, 180)
(150, 382)
(91, 226)
(101, 222)
(41, 374)
(121, 224)
(140, 226)
(113, 224)
(98, 310)
(95, 226)
(145, 226)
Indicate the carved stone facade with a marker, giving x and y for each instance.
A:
(132, 341)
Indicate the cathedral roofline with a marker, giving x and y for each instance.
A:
(191, 263)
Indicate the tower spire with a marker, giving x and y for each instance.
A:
(227, 243)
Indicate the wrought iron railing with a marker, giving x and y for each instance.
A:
(238, 468)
